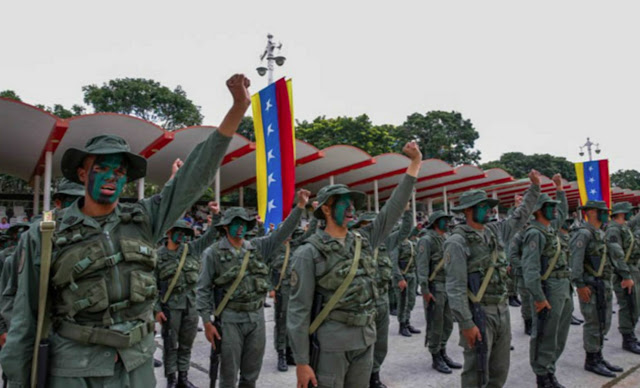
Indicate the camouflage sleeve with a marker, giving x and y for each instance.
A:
(456, 255)
(563, 210)
(634, 222)
(198, 246)
(269, 244)
(188, 185)
(311, 229)
(4, 275)
(406, 226)
(423, 259)
(520, 216)
(303, 284)
(577, 248)
(8, 288)
(397, 273)
(204, 292)
(613, 240)
(533, 243)
(391, 211)
(514, 251)
(391, 241)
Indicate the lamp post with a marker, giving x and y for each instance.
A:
(588, 145)
(268, 54)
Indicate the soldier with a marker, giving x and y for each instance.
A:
(177, 272)
(565, 236)
(403, 258)
(236, 274)
(432, 279)
(592, 269)
(6, 263)
(515, 268)
(102, 285)
(546, 274)
(474, 256)
(335, 271)
(512, 280)
(623, 246)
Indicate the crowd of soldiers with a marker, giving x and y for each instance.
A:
(83, 286)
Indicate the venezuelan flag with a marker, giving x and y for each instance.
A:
(275, 151)
(593, 181)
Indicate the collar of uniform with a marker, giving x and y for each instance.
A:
(73, 216)
(225, 244)
(327, 238)
(540, 225)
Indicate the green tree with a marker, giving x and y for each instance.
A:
(146, 99)
(246, 128)
(10, 94)
(519, 165)
(357, 131)
(443, 135)
(62, 112)
(626, 179)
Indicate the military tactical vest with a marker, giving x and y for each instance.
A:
(407, 249)
(551, 247)
(626, 232)
(480, 260)
(385, 269)
(593, 253)
(357, 305)
(436, 250)
(104, 280)
(168, 265)
(250, 294)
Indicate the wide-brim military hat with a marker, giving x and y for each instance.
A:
(17, 227)
(436, 216)
(543, 199)
(236, 212)
(327, 192)
(365, 217)
(598, 205)
(184, 225)
(103, 145)
(66, 187)
(472, 198)
(621, 208)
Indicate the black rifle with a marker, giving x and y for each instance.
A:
(314, 344)
(430, 308)
(43, 363)
(214, 357)
(542, 316)
(480, 320)
(631, 302)
(601, 299)
(169, 339)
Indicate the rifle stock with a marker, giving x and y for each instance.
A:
(214, 357)
(314, 344)
(43, 364)
(480, 319)
(542, 316)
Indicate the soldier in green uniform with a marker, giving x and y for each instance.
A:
(432, 279)
(335, 268)
(546, 274)
(177, 273)
(515, 260)
(475, 250)
(405, 279)
(13, 235)
(233, 286)
(623, 245)
(512, 280)
(592, 270)
(102, 283)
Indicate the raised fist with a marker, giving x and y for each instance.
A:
(238, 85)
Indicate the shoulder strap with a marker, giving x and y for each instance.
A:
(627, 254)
(234, 285)
(485, 282)
(47, 226)
(167, 294)
(553, 262)
(406, 269)
(287, 251)
(335, 298)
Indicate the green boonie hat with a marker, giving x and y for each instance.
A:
(472, 198)
(297, 233)
(542, 199)
(329, 191)
(435, 217)
(365, 217)
(183, 224)
(621, 208)
(236, 212)
(66, 187)
(103, 145)
(599, 205)
(16, 228)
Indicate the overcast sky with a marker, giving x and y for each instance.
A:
(536, 78)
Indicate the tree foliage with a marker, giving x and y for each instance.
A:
(10, 94)
(62, 112)
(443, 135)
(146, 99)
(246, 128)
(626, 179)
(519, 165)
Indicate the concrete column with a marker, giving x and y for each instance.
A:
(331, 180)
(218, 187)
(376, 197)
(430, 206)
(48, 167)
(36, 195)
(413, 208)
(241, 197)
(141, 188)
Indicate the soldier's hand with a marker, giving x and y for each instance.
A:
(272, 295)
(412, 150)
(259, 220)
(305, 375)
(160, 317)
(472, 335)
(518, 200)
(584, 293)
(542, 305)
(315, 204)
(175, 167)
(428, 298)
(239, 85)
(303, 198)
(3, 339)
(508, 270)
(214, 207)
(557, 179)
(628, 284)
(535, 177)
(402, 284)
(211, 333)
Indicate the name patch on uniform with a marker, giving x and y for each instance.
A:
(294, 278)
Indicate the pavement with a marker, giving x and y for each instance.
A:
(408, 363)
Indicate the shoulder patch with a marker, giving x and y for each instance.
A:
(421, 247)
(533, 244)
(447, 257)
(294, 278)
(580, 243)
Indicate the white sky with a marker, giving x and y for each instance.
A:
(537, 77)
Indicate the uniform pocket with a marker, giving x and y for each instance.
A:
(326, 381)
(88, 295)
(85, 259)
(138, 252)
(143, 286)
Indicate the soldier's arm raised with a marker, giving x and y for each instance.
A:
(198, 246)
(522, 213)
(563, 207)
(456, 270)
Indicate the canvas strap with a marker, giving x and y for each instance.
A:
(287, 251)
(406, 269)
(553, 262)
(485, 282)
(183, 258)
(234, 285)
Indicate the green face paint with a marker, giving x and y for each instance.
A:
(481, 213)
(238, 228)
(603, 216)
(443, 224)
(549, 211)
(107, 178)
(342, 209)
(627, 216)
(180, 237)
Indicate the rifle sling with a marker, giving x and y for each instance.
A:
(553, 262)
(287, 251)
(603, 260)
(477, 298)
(627, 254)
(234, 285)
(183, 258)
(406, 269)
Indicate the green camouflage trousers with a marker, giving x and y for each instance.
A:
(382, 333)
(280, 330)
(184, 324)
(626, 317)
(407, 299)
(525, 298)
(345, 369)
(242, 351)
(440, 324)
(591, 336)
(142, 376)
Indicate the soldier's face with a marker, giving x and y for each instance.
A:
(603, 216)
(443, 224)
(238, 228)
(106, 178)
(180, 236)
(342, 209)
(482, 213)
(549, 211)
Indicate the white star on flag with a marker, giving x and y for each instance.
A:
(268, 105)
(593, 191)
(271, 206)
(591, 180)
(270, 155)
(271, 180)
(269, 130)
(590, 167)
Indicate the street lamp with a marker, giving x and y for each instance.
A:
(269, 55)
(588, 145)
